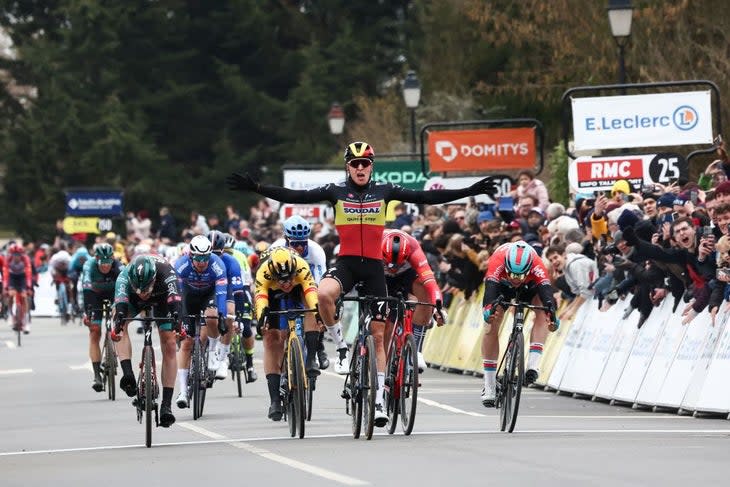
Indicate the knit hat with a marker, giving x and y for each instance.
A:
(667, 200)
(485, 216)
(627, 219)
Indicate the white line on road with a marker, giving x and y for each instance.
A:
(9, 343)
(86, 366)
(305, 467)
(446, 407)
(15, 371)
(701, 432)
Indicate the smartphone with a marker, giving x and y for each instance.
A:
(649, 188)
(718, 140)
(506, 203)
(675, 216)
(723, 271)
(707, 231)
(693, 196)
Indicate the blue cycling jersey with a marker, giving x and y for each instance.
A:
(233, 273)
(212, 278)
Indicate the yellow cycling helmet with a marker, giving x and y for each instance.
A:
(282, 264)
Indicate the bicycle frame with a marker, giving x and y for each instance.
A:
(512, 366)
(402, 381)
(294, 352)
(148, 390)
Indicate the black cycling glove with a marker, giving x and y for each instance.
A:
(241, 182)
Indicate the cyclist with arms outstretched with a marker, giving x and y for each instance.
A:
(515, 271)
(360, 204)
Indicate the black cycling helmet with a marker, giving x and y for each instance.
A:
(217, 240)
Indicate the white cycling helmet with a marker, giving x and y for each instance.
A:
(200, 245)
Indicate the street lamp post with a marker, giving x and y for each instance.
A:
(412, 95)
(336, 120)
(620, 13)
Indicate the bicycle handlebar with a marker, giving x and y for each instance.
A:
(519, 304)
(291, 313)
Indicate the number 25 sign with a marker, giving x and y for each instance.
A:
(588, 174)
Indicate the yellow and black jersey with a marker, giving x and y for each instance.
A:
(265, 282)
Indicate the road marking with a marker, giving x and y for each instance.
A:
(446, 407)
(86, 366)
(518, 432)
(15, 371)
(290, 462)
(10, 343)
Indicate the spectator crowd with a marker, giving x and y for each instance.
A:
(649, 242)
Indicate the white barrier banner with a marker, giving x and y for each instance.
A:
(682, 368)
(697, 381)
(45, 296)
(622, 345)
(589, 357)
(576, 330)
(666, 350)
(715, 396)
(653, 120)
(641, 353)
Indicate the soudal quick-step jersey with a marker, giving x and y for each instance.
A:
(360, 211)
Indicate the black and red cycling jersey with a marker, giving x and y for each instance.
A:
(17, 266)
(360, 211)
(416, 260)
(537, 278)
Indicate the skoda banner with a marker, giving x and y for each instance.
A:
(94, 202)
(654, 120)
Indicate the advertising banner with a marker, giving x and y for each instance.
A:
(591, 174)
(75, 224)
(653, 120)
(482, 150)
(94, 203)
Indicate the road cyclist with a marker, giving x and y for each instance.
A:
(148, 282)
(18, 274)
(98, 278)
(360, 205)
(283, 282)
(296, 236)
(407, 272)
(515, 270)
(204, 286)
(238, 302)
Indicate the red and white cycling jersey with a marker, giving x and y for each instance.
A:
(416, 260)
(18, 265)
(496, 271)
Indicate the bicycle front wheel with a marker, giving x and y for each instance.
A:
(355, 386)
(148, 395)
(408, 375)
(514, 371)
(196, 379)
(297, 394)
(110, 367)
(370, 386)
(311, 381)
(392, 388)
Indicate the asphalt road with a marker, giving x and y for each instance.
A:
(54, 429)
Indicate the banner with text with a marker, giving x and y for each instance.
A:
(94, 203)
(654, 120)
(590, 174)
(482, 150)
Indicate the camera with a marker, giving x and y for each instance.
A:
(610, 249)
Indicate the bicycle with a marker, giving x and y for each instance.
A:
(199, 379)
(401, 373)
(17, 313)
(295, 385)
(512, 367)
(62, 300)
(237, 355)
(361, 383)
(148, 388)
(108, 366)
